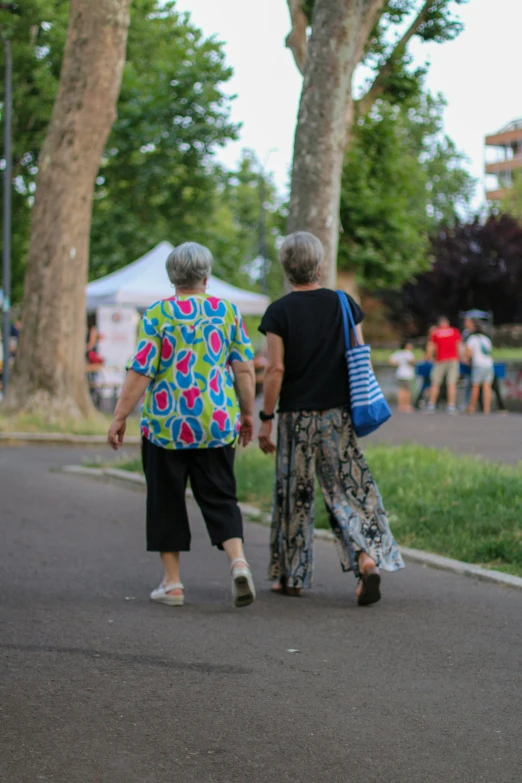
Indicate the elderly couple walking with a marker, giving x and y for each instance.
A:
(194, 364)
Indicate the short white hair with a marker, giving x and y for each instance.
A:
(189, 264)
(301, 255)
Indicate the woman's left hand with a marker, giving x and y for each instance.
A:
(246, 430)
(116, 433)
(265, 441)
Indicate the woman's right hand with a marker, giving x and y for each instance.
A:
(265, 440)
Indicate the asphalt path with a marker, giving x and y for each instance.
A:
(99, 685)
(496, 437)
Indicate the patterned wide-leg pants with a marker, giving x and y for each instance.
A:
(325, 444)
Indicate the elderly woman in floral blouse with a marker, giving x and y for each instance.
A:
(188, 348)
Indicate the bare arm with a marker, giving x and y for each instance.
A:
(430, 351)
(274, 372)
(93, 338)
(245, 385)
(133, 389)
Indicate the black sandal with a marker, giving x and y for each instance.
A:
(371, 592)
(284, 589)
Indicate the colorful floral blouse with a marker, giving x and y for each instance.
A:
(186, 345)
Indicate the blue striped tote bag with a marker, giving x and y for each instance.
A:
(369, 408)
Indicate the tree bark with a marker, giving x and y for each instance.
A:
(297, 38)
(340, 29)
(49, 372)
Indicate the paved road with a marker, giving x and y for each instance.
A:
(98, 685)
(495, 437)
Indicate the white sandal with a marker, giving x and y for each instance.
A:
(161, 594)
(243, 590)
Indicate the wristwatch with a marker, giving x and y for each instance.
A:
(266, 416)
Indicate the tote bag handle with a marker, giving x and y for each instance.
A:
(348, 322)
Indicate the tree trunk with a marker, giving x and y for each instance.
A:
(340, 30)
(49, 372)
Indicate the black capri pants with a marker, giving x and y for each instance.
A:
(211, 475)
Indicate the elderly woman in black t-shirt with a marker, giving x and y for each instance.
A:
(306, 371)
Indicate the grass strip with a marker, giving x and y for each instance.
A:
(97, 425)
(461, 507)
(499, 354)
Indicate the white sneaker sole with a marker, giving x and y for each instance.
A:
(243, 590)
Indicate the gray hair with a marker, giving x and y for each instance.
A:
(301, 255)
(189, 264)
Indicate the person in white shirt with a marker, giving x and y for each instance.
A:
(479, 351)
(404, 361)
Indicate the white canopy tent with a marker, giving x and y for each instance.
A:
(143, 282)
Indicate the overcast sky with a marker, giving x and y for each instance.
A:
(479, 73)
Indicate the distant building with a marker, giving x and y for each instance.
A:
(503, 157)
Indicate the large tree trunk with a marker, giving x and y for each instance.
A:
(340, 30)
(49, 373)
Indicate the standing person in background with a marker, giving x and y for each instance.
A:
(404, 361)
(443, 349)
(91, 343)
(479, 349)
(188, 348)
(424, 371)
(469, 328)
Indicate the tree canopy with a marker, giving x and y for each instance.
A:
(402, 178)
(157, 178)
(243, 200)
(374, 34)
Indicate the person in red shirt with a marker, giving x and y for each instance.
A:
(443, 350)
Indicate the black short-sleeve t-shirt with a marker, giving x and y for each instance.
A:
(310, 324)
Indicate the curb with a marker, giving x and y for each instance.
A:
(60, 437)
(136, 481)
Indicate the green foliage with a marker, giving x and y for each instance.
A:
(401, 82)
(439, 25)
(157, 178)
(156, 181)
(38, 40)
(242, 200)
(401, 178)
(402, 175)
(473, 265)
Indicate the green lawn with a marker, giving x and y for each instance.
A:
(456, 506)
(33, 423)
(499, 354)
